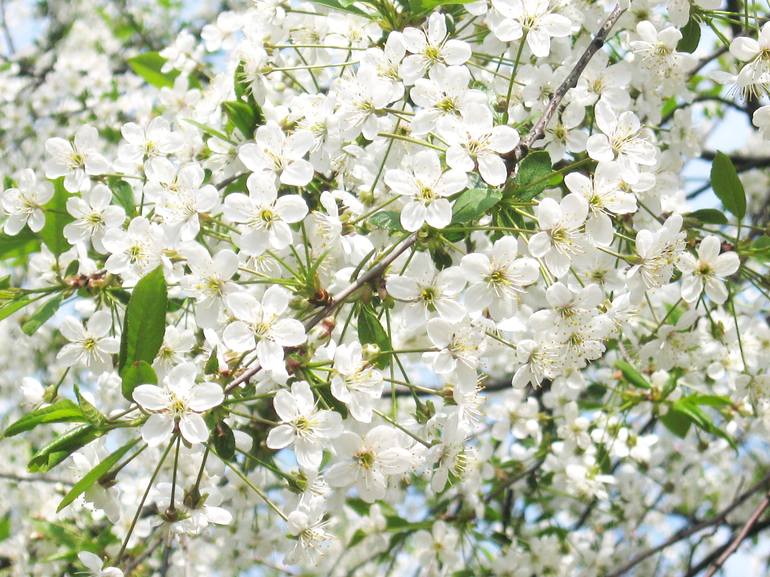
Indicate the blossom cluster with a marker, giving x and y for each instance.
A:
(389, 287)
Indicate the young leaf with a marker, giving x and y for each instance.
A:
(690, 36)
(386, 220)
(676, 422)
(370, 331)
(727, 186)
(473, 203)
(149, 65)
(41, 315)
(708, 216)
(533, 176)
(56, 218)
(224, 440)
(632, 375)
(26, 242)
(62, 447)
(145, 323)
(124, 194)
(95, 474)
(135, 374)
(64, 411)
(243, 116)
(15, 305)
(91, 413)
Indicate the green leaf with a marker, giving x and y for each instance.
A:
(145, 323)
(690, 36)
(135, 374)
(62, 447)
(148, 66)
(676, 422)
(708, 216)
(760, 248)
(386, 220)
(95, 474)
(5, 526)
(431, 4)
(15, 305)
(632, 375)
(56, 218)
(370, 331)
(343, 6)
(474, 203)
(41, 315)
(64, 411)
(727, 186)
(26, 242)
(533, 177)
(243, 116)
(92, 414)
(124, 194)
(224, 440)
(212, 364)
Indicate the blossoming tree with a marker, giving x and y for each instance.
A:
(384, 287)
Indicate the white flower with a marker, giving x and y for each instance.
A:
(604, 197)
(90, 346)
(430, 48)
(495, 279)
(368, 462)
(428, 290)
(307, 523)
(559, 237)
(355, 382)
(754, 78)
(259, 326)
(178, 403)
(210, 282)
(427, 188)
(95, 566)
(76, 160)
(621, 139)
(185, 198)
(264, 216)
(658, 50)
(444, 93)
(134, 252)
(761, 119)
(708, 271)
(302, 425)
(474, 142)
(659, 251)
(94, 215)
(273, 154)
(360, 97)
(144, 143)
(460, 346)
(536, 18)
(24, 203)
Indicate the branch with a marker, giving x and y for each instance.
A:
(338, 299)
(538, 130)
(741, 536)
(692, 529)
(708, 559)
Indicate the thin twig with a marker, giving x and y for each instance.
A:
(538, 130)
(761, 508)
(686, 532)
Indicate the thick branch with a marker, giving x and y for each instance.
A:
(538, 130)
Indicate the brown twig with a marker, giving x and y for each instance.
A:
(337, 300)
(538, 130)
(686, 532)
(735, 543)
